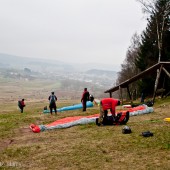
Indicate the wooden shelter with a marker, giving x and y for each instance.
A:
(159, 67)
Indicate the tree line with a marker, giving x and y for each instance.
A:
(149, 48)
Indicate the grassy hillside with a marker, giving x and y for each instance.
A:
(82, 147)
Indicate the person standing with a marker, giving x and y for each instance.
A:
(105, 105)
(143, 96)
(52, 103)
(21, 105)
(85, 98)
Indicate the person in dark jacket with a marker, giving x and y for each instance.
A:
(143, 96)
(21, 105)
(85, 98)
(52, 103)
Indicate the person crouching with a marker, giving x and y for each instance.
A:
(105, 105)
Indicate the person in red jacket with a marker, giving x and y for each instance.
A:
(85, 98)
(105, 105)
(21, 105)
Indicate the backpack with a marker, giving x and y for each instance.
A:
(149, 103)
(19, 103)
(52, 99)
(91, 98)
(122, 118)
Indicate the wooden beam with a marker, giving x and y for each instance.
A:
(166, 72)
(138, 76)
(167, 94)
(134, 78)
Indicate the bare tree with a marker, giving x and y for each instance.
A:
(149, 6)
(128, 68)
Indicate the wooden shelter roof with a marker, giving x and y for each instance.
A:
(137, 77)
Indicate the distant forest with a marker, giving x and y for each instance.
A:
(149, 48)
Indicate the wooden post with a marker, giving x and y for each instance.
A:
(110, 94)
(129, 94)
(156, 82)
(120, 90)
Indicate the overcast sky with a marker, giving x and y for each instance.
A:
(70, 30)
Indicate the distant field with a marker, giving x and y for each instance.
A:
(84, 147)
(40, 89)
(32, 90)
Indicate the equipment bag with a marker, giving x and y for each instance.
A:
(120, 119)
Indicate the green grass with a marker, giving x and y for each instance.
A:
(82, 147)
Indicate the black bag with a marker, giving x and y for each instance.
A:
(147, 134)
(149, 103)
(45, 108)
(108, 120)
(97, 122)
